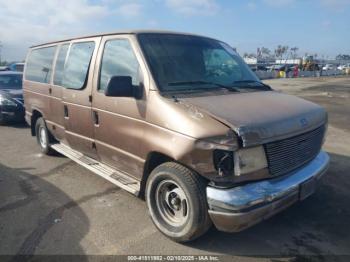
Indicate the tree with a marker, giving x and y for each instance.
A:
(247, 55)
(281, 50)
(294, 51)
(342, 57)
(264, 52)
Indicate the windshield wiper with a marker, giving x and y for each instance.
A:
(200, 82)
(250, 82)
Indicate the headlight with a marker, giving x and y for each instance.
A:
(223, 162)
(227, 142)
(247, 160)
(6, 102)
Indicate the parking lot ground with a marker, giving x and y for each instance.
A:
(50, 205)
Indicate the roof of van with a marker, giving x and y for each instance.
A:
(118, 33)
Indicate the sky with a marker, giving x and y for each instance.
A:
(314, 26)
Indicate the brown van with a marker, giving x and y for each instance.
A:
(180, 120)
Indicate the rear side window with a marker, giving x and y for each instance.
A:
(39, 64)
(77, 65)
(118, 60)
(61, 58)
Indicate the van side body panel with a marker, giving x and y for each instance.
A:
(119, 133)
(56, 122)
(79, 129)
(36, 94)
(37, 98)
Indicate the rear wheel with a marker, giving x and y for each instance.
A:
(177, 202)
(43, 137)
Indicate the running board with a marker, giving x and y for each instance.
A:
(112, 175)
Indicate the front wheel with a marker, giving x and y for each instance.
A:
(43, 137)
(177, 203)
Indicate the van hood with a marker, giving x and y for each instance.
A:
(262, 117)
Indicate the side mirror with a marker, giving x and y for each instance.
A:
(120, 86)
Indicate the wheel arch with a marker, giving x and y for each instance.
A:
(153, 160)
(36, 114)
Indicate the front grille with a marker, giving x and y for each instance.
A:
(286, 155)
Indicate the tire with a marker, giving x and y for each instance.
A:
(176, 199)
(44, 137)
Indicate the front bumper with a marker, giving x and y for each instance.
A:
(12, 113)
(235, 209)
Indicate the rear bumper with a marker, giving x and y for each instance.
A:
(238, 208)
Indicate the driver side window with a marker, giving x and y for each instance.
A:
(118, 60)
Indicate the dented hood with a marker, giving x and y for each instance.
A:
(262, 117)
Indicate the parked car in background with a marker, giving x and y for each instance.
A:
(285, 67)
(180, 120)
(258, 68)
(328, 67)
(18, 67)
(11, 97)
(4, 68)
(344, 67)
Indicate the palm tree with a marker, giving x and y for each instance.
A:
(281, 50)
(294, 52)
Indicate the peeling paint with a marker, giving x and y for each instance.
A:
(193, 111)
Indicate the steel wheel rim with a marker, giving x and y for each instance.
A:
(172, 203)
(42, 137)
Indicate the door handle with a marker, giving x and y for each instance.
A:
(65, 108)
(50, 90)
(95, 118)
